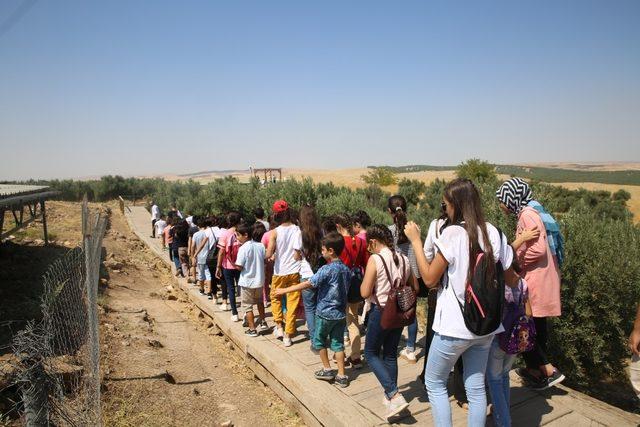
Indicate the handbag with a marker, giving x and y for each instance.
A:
(400, 309)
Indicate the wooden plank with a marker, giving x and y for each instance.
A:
(535, 412)
(574, 419)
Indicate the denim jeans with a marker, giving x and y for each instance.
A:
(412, 335)
(310, 299)
(498, 367)
(385, 368)
(231, 276)
(443, 354)
(176, 259)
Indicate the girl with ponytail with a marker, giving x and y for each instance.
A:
(397, 208)
(459, 244)
(381, 345)
(354, 255)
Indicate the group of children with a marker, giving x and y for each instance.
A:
(340, 272)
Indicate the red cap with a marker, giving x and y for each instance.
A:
(280, 206)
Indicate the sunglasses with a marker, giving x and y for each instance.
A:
(443, 206)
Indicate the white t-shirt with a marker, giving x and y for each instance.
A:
(453, 244)
(155, 212)
(287, 239)
(160, 225)
(265, 223)
(217, 231)
(251, 258)
(213, 239)
(429, 247)
(305, 268)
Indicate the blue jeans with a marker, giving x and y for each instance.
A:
(498, 367)
(175, 258)
(310, 300)
(231, 277)
(443, 354)
(385, 368)
(412, 335)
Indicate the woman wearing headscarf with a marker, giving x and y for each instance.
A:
(539, 248)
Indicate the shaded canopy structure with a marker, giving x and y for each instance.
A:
(15, 198)
(268, 174)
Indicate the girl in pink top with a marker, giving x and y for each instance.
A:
(540, 270)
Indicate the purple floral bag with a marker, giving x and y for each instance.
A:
(519, 333)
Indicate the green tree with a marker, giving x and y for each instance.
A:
(477, 170)
(381, 177)
(412, 190)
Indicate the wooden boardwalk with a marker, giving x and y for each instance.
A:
(289, 372)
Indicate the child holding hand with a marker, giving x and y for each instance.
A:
(332, 283)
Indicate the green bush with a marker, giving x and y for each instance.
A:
(600, 290)
(380, 176)
(477, 170)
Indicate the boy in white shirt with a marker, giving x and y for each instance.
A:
(159, 226)
(250, 262)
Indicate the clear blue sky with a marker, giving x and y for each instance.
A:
(140, 87)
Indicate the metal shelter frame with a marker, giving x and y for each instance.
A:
(31, 198)
(267, 171)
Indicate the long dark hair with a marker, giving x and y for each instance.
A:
(398, 207)
(345, 222)
(311, 235)
(465, 199)
(383, 235)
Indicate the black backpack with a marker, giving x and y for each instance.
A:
(483, 302)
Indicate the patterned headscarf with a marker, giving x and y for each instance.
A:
(515, 194)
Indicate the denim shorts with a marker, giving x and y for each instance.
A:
(329, 334)
(203, 272)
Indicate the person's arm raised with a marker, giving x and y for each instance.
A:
(430, 272)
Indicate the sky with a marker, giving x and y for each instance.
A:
(133, 87)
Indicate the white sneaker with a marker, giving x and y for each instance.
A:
(223, 306)
(395, 406)
(277, 332)
(234, 318)
(286, 340)
(409, 355)
(262, 326)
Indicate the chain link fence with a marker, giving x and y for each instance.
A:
(59, 357)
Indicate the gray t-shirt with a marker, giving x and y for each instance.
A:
(405, 249)
(196, 240)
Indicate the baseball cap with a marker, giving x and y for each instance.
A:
(280, 206)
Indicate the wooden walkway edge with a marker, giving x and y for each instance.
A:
(288, 372)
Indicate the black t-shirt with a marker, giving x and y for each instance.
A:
(181, 237)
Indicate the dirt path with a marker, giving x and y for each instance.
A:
(162, 364)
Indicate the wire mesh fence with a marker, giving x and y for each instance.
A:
(59, 357)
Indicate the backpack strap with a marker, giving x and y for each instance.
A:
(386, 269)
